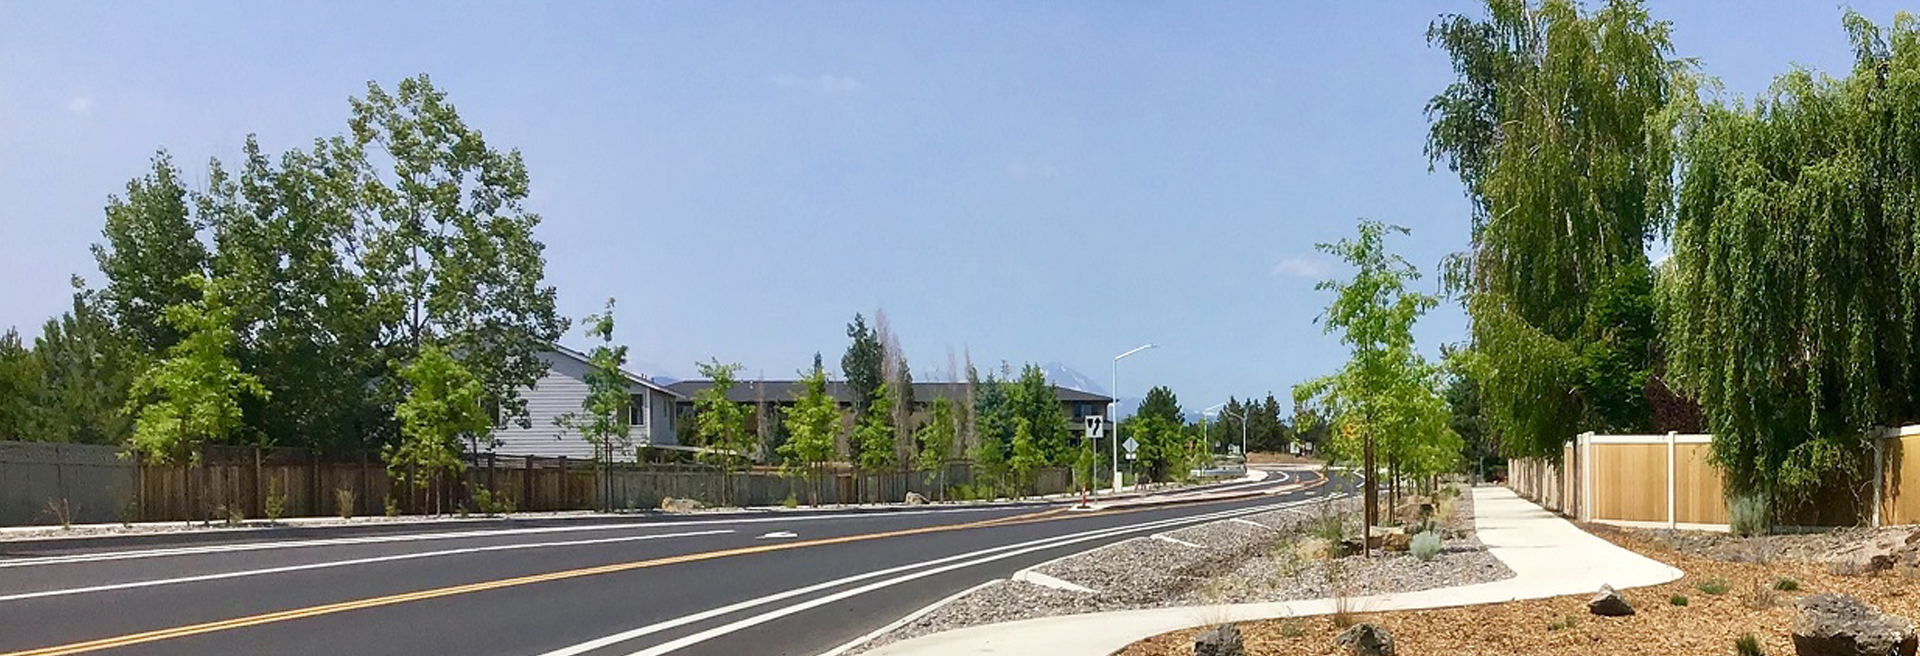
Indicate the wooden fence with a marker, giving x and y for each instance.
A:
(44, 483)
(1669, 481)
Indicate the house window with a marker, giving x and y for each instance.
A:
(493, 409)
(637, 410)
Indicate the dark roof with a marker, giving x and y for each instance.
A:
(779, 391)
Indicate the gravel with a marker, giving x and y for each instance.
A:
(1232, 562)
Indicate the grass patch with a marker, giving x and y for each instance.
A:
(1562, 624)
(1748, 645)
(1786, 585)
(1713, 586)
(1677, 600)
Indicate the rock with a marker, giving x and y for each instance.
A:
(675, 505)
(1884, 552)
(1609, 603)
(1391, 538)
(1366, 640)
(915, 499)
(1415, 511)
(1840, 625)
(1223, 640)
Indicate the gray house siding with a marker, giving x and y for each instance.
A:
(560, 392)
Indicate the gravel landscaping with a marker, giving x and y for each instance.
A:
(1253, 559)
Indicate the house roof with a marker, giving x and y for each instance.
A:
(780, 391)
(638, 379)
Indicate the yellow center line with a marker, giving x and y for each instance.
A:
(130, 639)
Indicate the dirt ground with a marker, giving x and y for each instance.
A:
(1708, 624)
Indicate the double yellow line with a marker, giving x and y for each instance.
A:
(422, 595)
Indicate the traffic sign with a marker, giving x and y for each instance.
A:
(1131, 447)
(1095, 426)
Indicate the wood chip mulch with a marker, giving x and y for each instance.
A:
(1708, 624)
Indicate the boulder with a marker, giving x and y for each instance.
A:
(915, 499)
(1223, 640)
(1391, 538)
(1415, 511)
(1312, 548)
(1366, 640)
(1609, 603)
(1884, 552)
(1840, 625)
(677, 505)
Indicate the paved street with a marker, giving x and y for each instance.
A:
(756, 584)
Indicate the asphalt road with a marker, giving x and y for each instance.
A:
(777, 583)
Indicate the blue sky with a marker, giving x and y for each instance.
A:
(1046, 182)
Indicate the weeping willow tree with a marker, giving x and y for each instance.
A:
(1791, 302)
(1558, 126)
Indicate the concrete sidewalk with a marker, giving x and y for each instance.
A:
(1549, 557)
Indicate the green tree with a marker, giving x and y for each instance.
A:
(449, 256)
(191, 396)
(87, 368)
(1160, 402)
(814, 425)
(863, 363)
(1791, 304)
(721, 423)
(150, 255)
(22, 390)
(1385, 393)
(444, 407)
(284, 237)
(602, 419)
(990, 465)
(1029, 456)
(937, 439)
(873, 438)
(1558, 126)
(1034, 399)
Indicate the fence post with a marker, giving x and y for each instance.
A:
(1673, 472)
(1879, 472)
(1583, 506)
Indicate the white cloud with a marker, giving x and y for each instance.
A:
(1031, 170)
(82, 105)
(1303, 267)
(820, 83)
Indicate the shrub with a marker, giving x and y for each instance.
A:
(1561, 624)
(1677, 600)
(1292, 627)
(343, 502)
(791, 502)
(490, 503)
(1786, 585)
(62, 512)
(393, 506)
(1750, 515)
(1715, 586)
(1748, 645)
(1425, 546)
(276, 505)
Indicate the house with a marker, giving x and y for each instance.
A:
(650, 414)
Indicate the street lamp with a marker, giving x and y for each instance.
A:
(1113, 407)
(1220, 409)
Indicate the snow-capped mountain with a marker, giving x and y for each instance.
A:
(1068, 377)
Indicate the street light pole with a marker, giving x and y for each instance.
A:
(1220, 408)
(1113, 407)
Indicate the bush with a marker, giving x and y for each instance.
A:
(1561, 624)
(1751, 515)
(790, 502)
(1677, 600)
(490, 503)
(1786, 585)
(343, 502)
(1714, 586)
(1425, 546)
(393, 506)
(1748, 645)
(276, 506)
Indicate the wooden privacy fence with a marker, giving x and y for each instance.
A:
(1669, 481)
(45, 483)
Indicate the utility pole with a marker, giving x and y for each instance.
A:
(1113, 407)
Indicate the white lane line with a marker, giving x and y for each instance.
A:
(923, 612)
(1250, 522)
(780, 535)
(343, 563)
(422, 537)
(1045, 543)
(1054, 582)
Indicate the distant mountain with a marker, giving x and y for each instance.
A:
(1070, 378)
